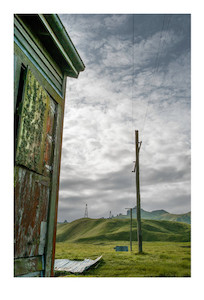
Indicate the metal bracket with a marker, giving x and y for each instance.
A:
(140, 143)
(134, 167)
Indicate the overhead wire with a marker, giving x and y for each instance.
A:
(165, 49)
(132, 97)
(133, 64)
(155, 70)
(169, 20)
(162, 110)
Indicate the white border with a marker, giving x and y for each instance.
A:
(115, 288)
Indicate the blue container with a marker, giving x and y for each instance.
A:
(121, 248)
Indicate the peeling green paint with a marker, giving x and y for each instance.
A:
(31, 136)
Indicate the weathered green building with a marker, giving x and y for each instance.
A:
(44, 56)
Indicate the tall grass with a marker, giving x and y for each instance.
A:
(159, 259)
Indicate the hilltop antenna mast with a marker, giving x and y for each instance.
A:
(86, 212)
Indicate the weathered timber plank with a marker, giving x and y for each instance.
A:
(33, 274)
(31, 209)
(49, 138)
(27, 61)
(44, 63)
(54, 196)
(17, 71)
(27, 265)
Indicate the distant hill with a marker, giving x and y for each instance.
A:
(95, 230)
(158, 215)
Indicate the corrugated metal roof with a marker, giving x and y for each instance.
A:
(74, 266)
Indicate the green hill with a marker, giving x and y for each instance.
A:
(95, 230)
(159, 215)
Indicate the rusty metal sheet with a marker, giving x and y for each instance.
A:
(74, 266)
(31, 209)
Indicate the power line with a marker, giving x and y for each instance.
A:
(154, 70)
(133, 71)
(133, 68)
(158, 59)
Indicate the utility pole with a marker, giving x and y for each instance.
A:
(130, 228)
(137, 172)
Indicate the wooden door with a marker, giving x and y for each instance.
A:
(35, 145)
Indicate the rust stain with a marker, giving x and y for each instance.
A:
(49, 139)
(31, 207)
(48, 151)
(51, 117)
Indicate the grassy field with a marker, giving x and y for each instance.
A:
(166, 247)
(160, 259)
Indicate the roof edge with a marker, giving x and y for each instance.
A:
(64, 39)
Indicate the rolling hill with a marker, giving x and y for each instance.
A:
(96, 230)
(158, 215)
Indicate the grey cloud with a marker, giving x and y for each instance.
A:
(103, 109)
(164, 175)
(112, 181)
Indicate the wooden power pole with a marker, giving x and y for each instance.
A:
(137, 177)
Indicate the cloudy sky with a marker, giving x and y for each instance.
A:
(137, 77)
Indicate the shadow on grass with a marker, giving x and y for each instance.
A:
(141, 253)
(61, 273)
